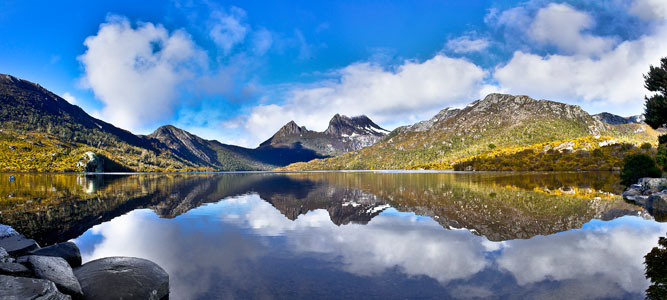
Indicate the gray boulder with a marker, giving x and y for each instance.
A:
(657, 202)
(656, 184)
(91, 162)
(57, 270)
(4, 256)
(12, 178)
(17, 245)
(123, 278)
(7, 231)
(68, 250)
(19, 288)
(14, 269)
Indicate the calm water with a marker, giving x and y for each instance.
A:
(352, 235)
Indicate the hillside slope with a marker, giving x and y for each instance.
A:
(494, 123)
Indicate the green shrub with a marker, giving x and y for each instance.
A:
(637, 166)
(646, 146)
(492, 146)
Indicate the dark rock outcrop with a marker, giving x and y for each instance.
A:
(123, 278)
(18, 244)
(68, 251)
(56, 269)
(29, 288)
(14, 269)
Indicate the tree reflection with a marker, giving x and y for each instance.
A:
(656, 271)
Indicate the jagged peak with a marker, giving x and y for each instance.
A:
(344, 125)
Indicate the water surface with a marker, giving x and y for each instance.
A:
(392, 235)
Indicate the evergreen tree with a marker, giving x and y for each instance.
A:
(655, 109)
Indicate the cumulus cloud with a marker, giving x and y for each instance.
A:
(227, 29)
(562, 26)
(69, 98)
(412, 91)
(136, 71)
(614, 77)
(649, 9)
(466, 44)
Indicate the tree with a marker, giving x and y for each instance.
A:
(638, 166)
(656, 271)
(655, 109)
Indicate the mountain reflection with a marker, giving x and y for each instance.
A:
(352, 235)
(243, 247)
(499, 206)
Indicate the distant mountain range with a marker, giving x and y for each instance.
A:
(40, 131)
(493, 125)
(618, 120)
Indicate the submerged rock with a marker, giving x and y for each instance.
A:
(56, 269)
(123, 278)
(12, 178)
(68, 251)
(29, 288)
(18, 245)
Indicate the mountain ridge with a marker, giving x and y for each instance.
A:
(496, 121)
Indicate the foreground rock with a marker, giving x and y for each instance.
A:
(123, 278)
(14, 269)
(56, 269)
(29, 288)
(68, 250)
(18, 244)
(30, 272)
(650, 193)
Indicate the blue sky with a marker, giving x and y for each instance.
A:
(237, 71)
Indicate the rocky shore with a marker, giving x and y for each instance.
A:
(650, 193)
(28, 271)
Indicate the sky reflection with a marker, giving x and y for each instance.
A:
(242, 247)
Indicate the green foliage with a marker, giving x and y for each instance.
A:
(637, 166)
(646, 146)
(492, 146)
(656, 271)
(655, 109)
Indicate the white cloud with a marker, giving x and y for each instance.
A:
(69, 98)
(136, 72)
(649, 9)
(227, 29)
(262, 41)
(562, 26)
(414, 90)
(614, 77)
(466, 44)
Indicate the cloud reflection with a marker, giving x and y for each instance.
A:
(235, 245)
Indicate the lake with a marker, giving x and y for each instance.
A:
(371, 235)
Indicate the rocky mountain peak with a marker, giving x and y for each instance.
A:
(291, 128)
(613, 119)
(360, 125)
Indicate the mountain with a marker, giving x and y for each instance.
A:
(344, 134)
(496, 123)
(618, 120)
(40, 131)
